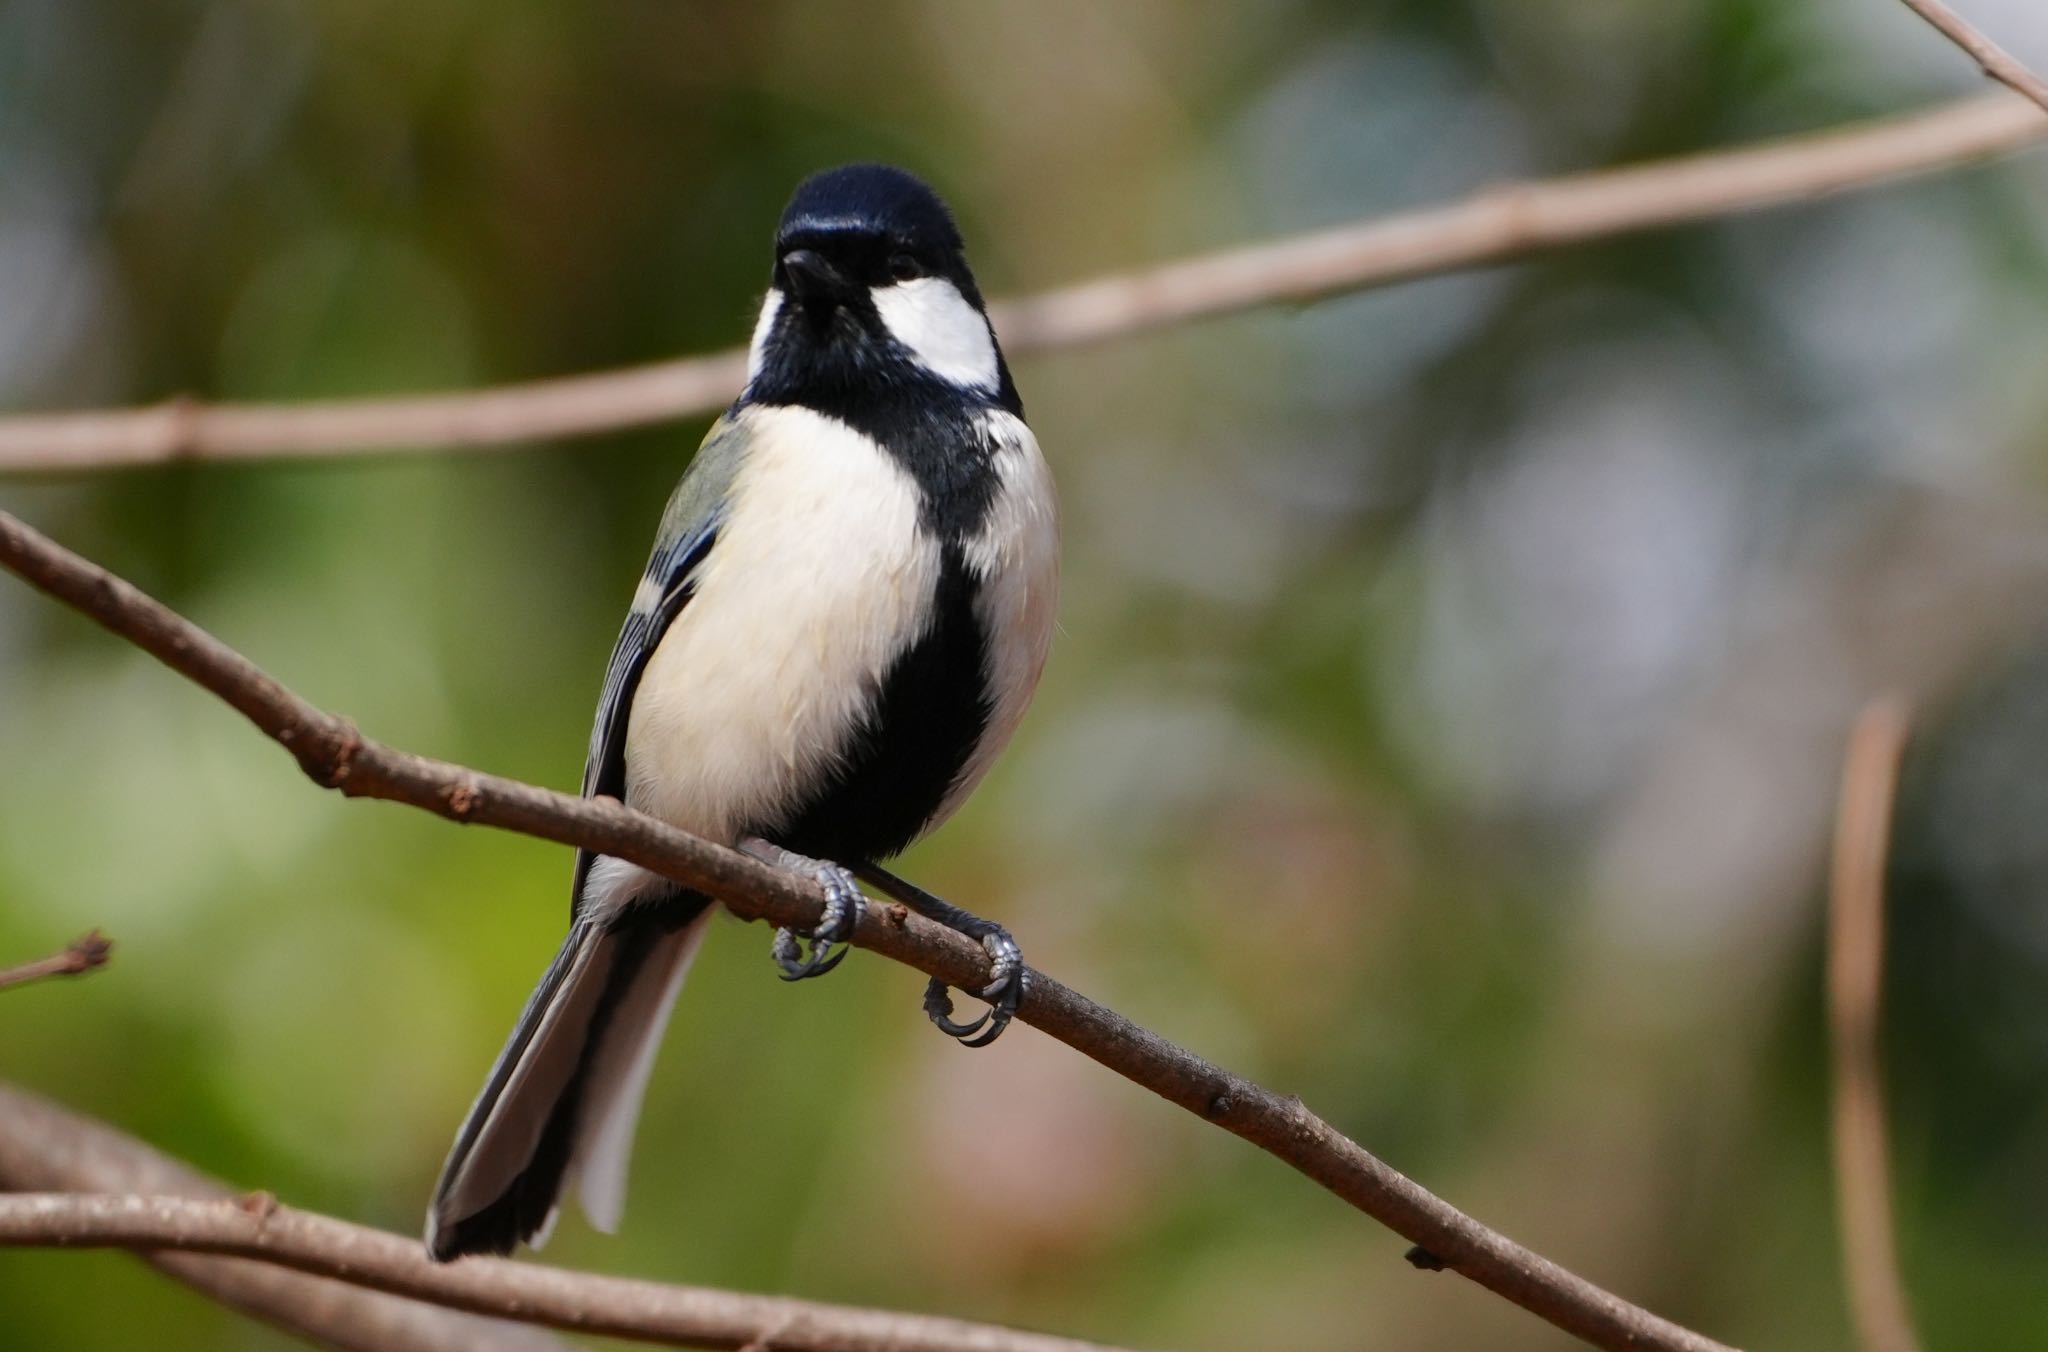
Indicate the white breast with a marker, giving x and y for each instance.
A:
(818, 579)
(1016, 554)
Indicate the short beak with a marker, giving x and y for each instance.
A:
(811, 277)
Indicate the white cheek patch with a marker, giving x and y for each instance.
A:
(770, 308)
(949, 337)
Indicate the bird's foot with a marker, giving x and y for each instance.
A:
(1004, 992)
(1007, 973)
(843, 905)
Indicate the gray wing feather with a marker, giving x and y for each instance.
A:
(689, 526)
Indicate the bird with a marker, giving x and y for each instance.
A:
(847, 608)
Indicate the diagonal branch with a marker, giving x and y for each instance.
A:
(676, 1316)
(331, 751)
(251, 1253)
(83, 954)
(1863, 1184)
(44, 1148)
(1996, 62)
(1493, 226)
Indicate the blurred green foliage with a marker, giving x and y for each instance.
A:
(1443, 725)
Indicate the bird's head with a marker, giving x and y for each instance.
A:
(871, 287)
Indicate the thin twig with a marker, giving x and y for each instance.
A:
(44, 1148)
(1870, 1259)
(1997, 62)
(83, 954)
(1493, 226)
(332, 753)
(674, 1316)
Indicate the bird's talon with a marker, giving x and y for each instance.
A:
(1007, 975)
(1004, 992)
(995, 1030)
(816, 968)
(938, 1007)
(786, 952)
(843, 905)
(1006, 966)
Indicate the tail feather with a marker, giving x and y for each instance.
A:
(618, 1080)
(567, 1086)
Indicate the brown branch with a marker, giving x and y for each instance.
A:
(44, 1148)
(199, 1229)
(1996, 62)
(1870, 1260)
(83, 954)
(331, 751)
(1490, 227)
(676, 1316)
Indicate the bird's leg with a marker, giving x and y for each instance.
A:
(1005, 989)
(842, 911)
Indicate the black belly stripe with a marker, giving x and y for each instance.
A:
(930, 713)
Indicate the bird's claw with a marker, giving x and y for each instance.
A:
(1004, 992)
(843, 906)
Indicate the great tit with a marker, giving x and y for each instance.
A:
(849, 603)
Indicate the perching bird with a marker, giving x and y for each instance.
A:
(847, 609)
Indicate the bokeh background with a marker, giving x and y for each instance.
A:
(1444, 724)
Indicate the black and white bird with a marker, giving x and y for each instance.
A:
(847, 609)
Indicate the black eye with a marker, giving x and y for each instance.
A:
(905, 267)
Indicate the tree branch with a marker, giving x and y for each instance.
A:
(203, 1231)
(83, 954)
(677, 1316)
(44, 1148)
(1490, 227)
(331, 751)
(1863, 1186)
(1997, 63)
